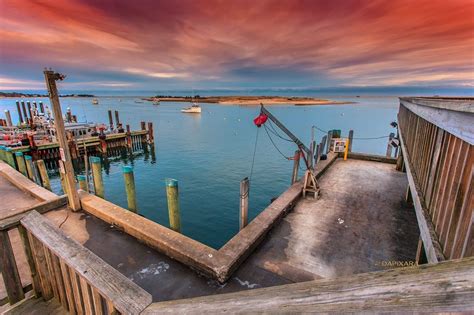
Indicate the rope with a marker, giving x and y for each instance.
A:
(271, 140)
(245, 194)
(277, 134)
(354, 138)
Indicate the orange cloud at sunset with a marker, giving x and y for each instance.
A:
(142, 44)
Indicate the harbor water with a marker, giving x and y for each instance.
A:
(210, 153)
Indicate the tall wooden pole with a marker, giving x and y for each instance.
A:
(130, 188)
(51, 77)
(8, 117)
(351, 136)
(244, 202)
(20, 116)
(173, 204)
(296, 165)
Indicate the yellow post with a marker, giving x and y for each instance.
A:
(20, 161)
(43, 174)
(97, 176)
(130, 188)
(173, 204)
(82, 182)
(346, 149)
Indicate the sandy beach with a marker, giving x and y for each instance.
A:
(249, 100)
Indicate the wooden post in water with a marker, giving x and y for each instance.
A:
(8, 117)
(50, 78)
(329, 141)
(351, 136)
(111, 121)
(296, 166)
(143, 126)
(43, 174)
(317, 154)
(41, 107)
(244, 202)
(389, 144)
(9, 157)
(151, 138)
(30, 167)
(82, 182)
(20, 161)
(172, 195)
(25, 114)
(129, 137)
(130, 188)
(97, 176)
(20, 116)
(117, 120)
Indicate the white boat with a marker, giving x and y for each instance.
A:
(195, 109)
(95, 101)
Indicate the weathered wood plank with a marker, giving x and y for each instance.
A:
(67, 287)
(127, 297)
(40, 262)
(31, 261)
(443, 287)
(9, 270)
(42, 207)
(76, 291)
(433, 249)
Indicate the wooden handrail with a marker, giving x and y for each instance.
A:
(443, 287)
(82, 281)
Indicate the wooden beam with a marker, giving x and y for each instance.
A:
(433, 249)
(10, 275)
(444, 287)
(126, 296)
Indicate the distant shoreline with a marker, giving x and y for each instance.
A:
(20, 95)
(247, 100)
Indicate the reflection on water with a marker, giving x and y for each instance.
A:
(210, 153)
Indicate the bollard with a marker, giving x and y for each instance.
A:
(20, 161)
(296, 165)
(130, 188)
(172, 195)
(82, 182)
(244, 202)
(20, 116)
(351, 136)
(10, 159)
(30, 167)
(43, 174)
(8, 117)
(346, 149)
(97, 176)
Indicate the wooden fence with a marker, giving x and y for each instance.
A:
(440, 156)
(62, 268)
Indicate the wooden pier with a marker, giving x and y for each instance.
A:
(362, 247)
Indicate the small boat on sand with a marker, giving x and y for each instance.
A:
(195, 109)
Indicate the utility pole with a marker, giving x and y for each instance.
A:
(51, 77)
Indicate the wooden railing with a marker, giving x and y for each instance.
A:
(437, 148)
(62, 268)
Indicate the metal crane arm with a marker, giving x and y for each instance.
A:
(300, 144)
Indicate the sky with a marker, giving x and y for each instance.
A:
(188, 44)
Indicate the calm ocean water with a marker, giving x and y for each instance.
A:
(210, 153)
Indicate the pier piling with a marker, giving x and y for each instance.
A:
(111, 120)
(296, 165)
(244, 202)
(20, 116)
(389, 144)
(9, 157)
(41, 107)
(97, 176)
(23, 106)
(20, 161)
(82, 182)
(329, 141)
(130, 188)
(172, 195)
(30, 167)
(151, 138)
(43, 174)
(117, 119)
(8, 117)
(351, 136)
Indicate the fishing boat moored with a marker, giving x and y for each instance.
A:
(195, 109)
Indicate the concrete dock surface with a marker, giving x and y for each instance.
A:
(360, 221)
